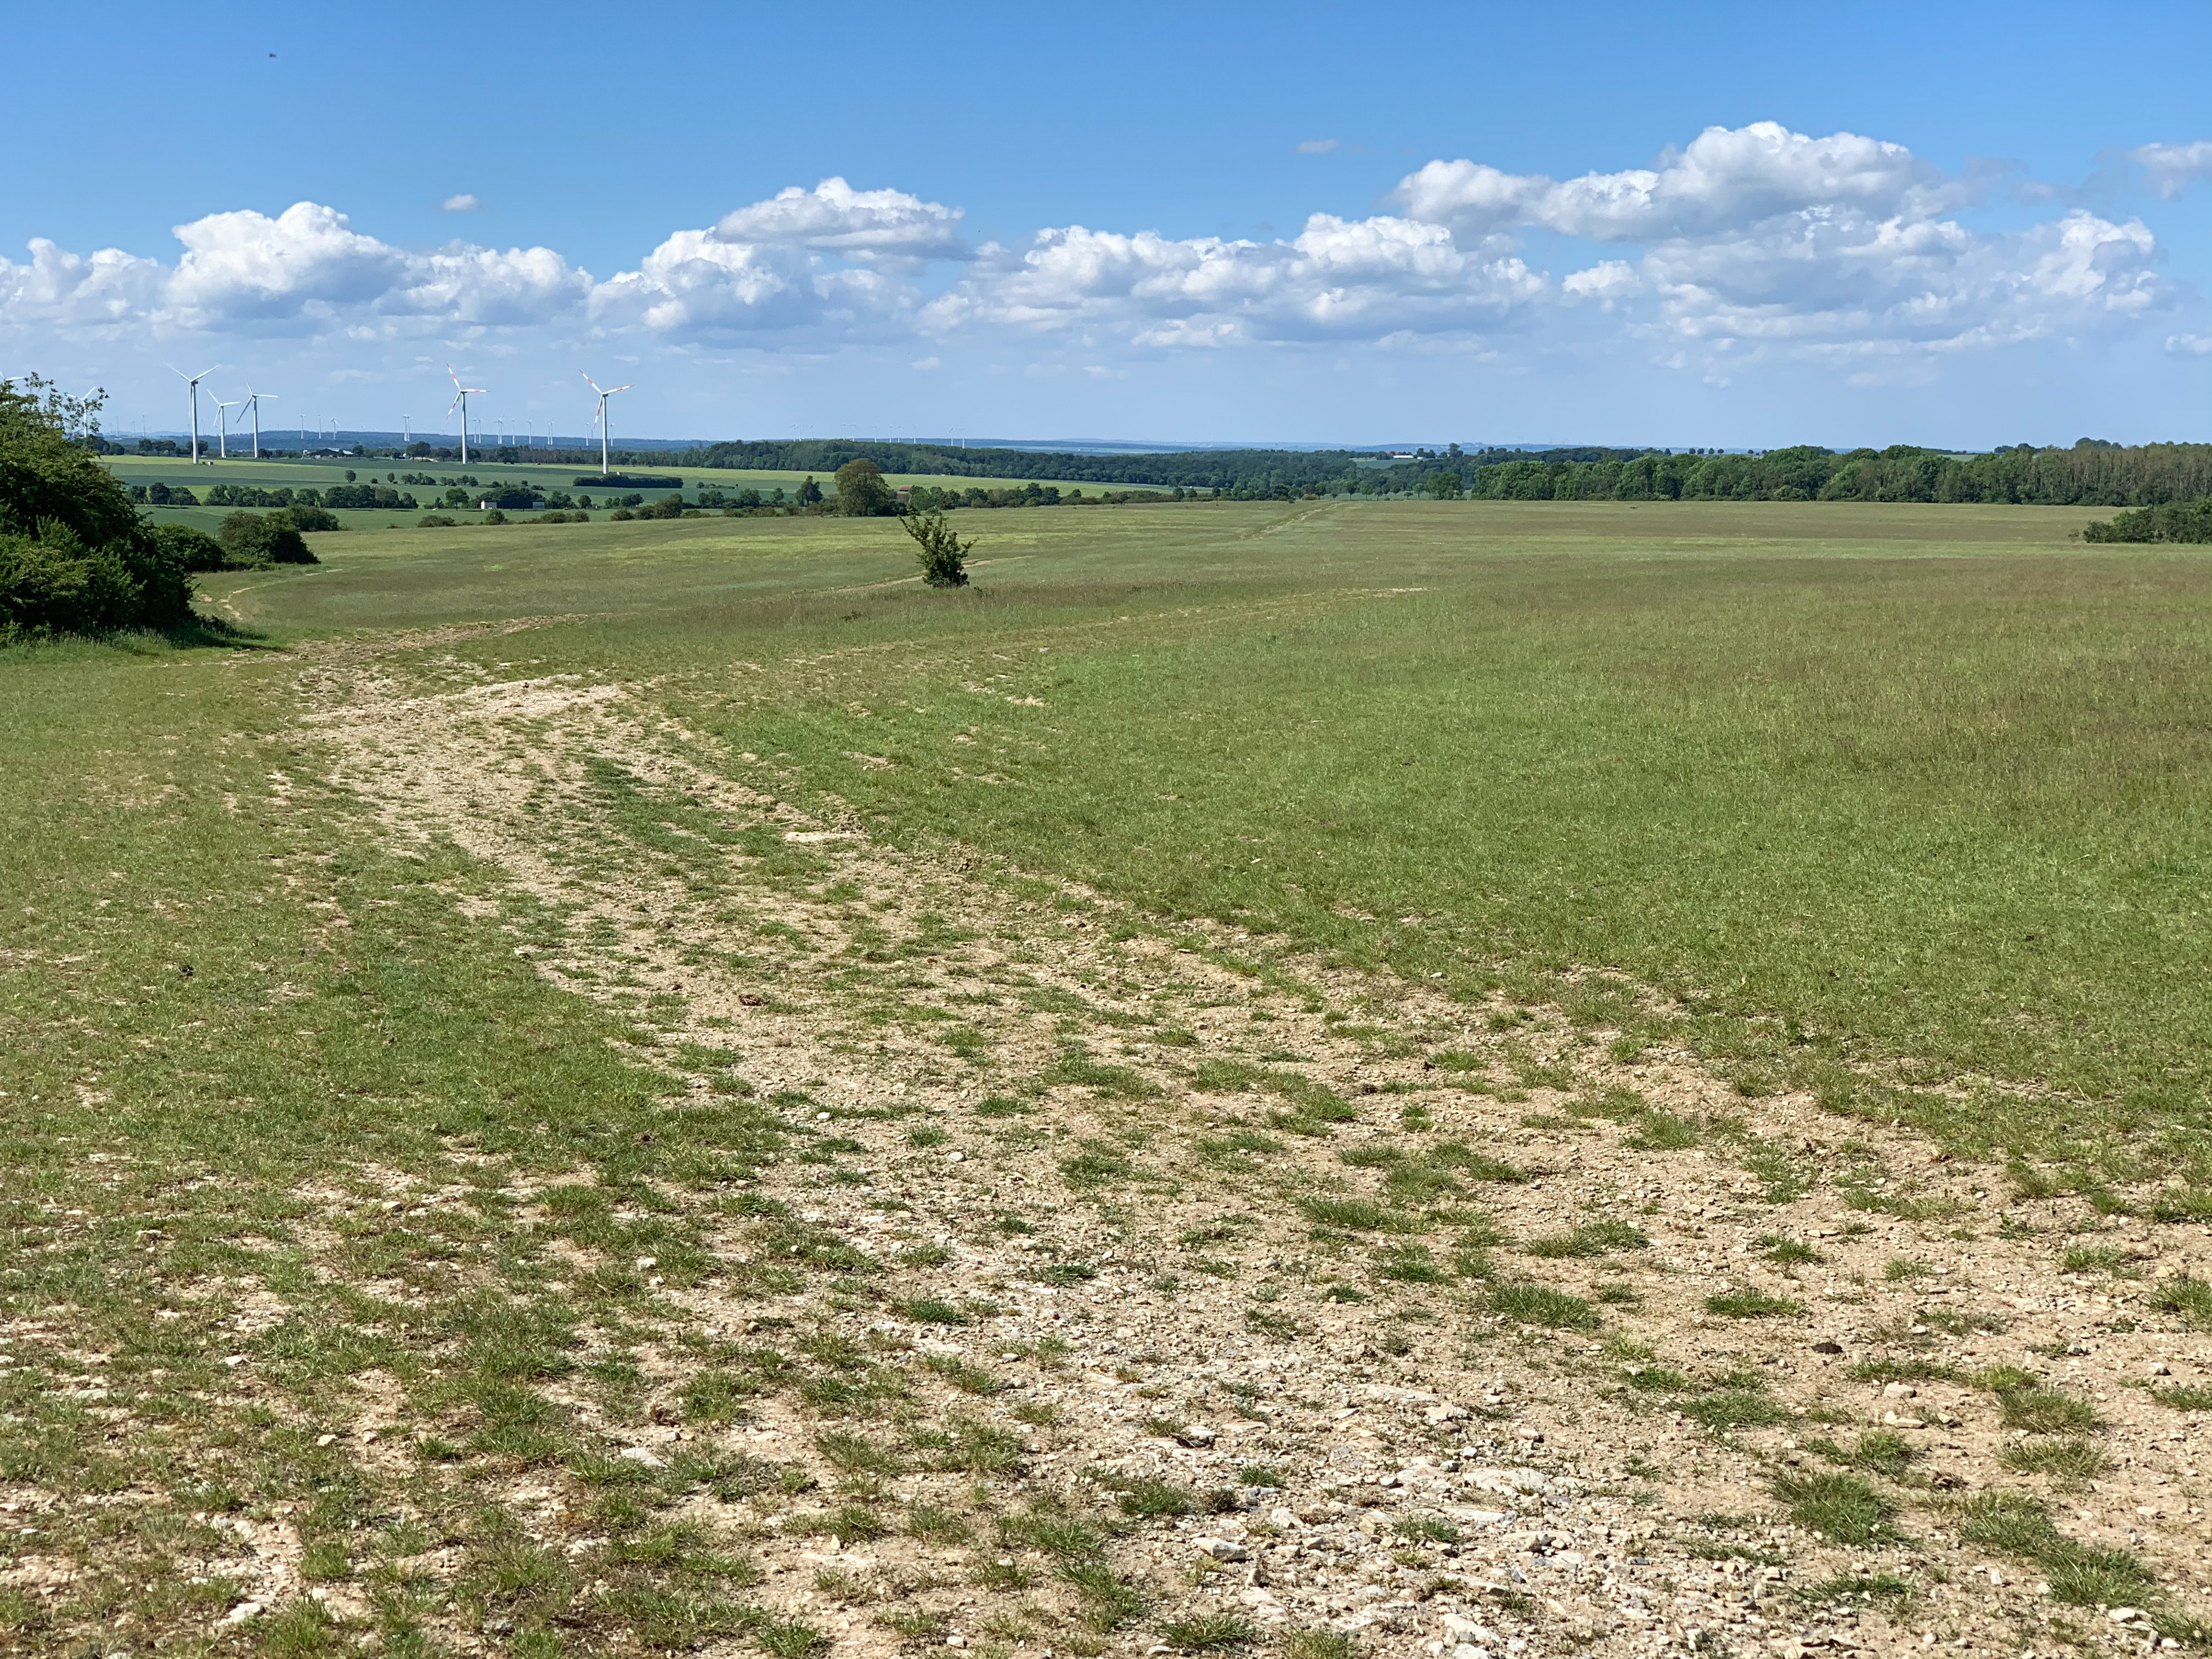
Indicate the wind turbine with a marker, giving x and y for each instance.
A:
(253, 402)
(461, 395)
(599, 415)
(222, 424)
(193, 382)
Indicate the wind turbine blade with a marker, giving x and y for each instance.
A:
(591, 383)
(630, 387)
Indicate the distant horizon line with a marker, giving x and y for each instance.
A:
(1033, 446)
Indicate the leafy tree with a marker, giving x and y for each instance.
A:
(943, 555)
(74, 555)
(810, 493)
(1444, 486)
(861, 491)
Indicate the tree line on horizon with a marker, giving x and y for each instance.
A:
(2090, 473)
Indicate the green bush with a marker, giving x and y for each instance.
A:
(252, 539)
(943, 555)
(74, 557)
(193, 549)
(2172, 521)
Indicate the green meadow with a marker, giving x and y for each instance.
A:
(1910, 785)
(339, 1234)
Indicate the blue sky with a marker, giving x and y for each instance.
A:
(1960, 225)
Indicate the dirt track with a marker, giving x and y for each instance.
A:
(1177, 1219)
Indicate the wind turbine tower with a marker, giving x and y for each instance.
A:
(193, 382)
(599, 415)
(253, 402)
(461, 396)
(222, 424)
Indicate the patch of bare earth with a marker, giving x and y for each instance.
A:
(1327, 1304)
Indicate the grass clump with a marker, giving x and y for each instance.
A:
(936, 1525)
(1208, 1632)
(1722, 1409)
(2030, 1404)
(1358, 1215)
(1883, 1451)
(1838, 1506)
(1750, 1304)
(1110, 1602)
(2094, 1259)
(2190, 1298)
(1475, 1166)
(1095, 1166)
(1147, 1499)
(2065, 1459)
(1663, 1131)
(788, 1639)
(1539, 1304)
(2081, 1577)
(1428, 1530)
(929, 1310)
(1593, 1238)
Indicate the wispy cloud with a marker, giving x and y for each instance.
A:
(461, 203)
(1317, 146)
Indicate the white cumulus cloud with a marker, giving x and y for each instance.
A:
(1765, 238)
(867, 225)
(1337, 278)
(244, 269)
(1723, 178)
(72, 293)
(1743, 242)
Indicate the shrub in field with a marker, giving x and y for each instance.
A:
(192, 549)
(260, 538)
(2171, 521)
(943, 555)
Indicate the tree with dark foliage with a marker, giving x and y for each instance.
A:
(861, 491)
(75, 557)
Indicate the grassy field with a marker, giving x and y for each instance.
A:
(320, 475)
(1920, 783)
(482, 1056)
